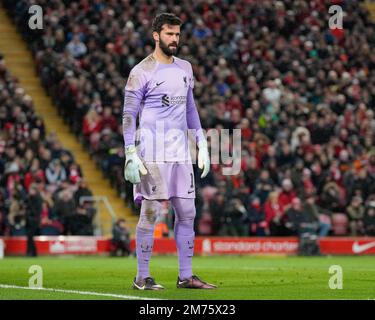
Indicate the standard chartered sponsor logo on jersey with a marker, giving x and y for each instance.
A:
(167, 100)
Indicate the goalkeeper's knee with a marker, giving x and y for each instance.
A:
(150, 210)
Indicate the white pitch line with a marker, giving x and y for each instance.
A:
(112, 295)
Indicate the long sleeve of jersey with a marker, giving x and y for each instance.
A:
(192, 116)
(133, 96)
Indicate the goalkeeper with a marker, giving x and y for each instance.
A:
(160, 90)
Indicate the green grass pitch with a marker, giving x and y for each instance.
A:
(238, 277)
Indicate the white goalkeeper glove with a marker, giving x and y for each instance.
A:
(133, 165)
(203, 158)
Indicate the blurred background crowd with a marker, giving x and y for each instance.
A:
(303, 96)
(40, 182)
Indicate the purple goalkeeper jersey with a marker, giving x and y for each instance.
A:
(162, 95)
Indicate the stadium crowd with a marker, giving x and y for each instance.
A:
(303, 96)
(40, 182)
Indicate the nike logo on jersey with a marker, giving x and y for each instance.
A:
(158, 84)
(191, 191)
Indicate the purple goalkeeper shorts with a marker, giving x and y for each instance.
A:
(164, 181)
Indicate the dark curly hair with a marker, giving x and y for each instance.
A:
(165, 18)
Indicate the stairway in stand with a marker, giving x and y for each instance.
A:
(19, 61)
(370, 6)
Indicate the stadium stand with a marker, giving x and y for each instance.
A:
(38, 176)
(302, 94)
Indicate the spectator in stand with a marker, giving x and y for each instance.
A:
(272, 93)
(33, 218)
(65, 209)
(13, 179)
(74, 173)
(49, 225)
(55, 172)
(274, 215)
(92, 127)
(35, 174)
(361, 183)
(76, 47)
(205, 226)
(216, 209)
(256, 218)
(297, 173)
(369, 219)
(300, 222)
(82, 191)
(287, 194)
(108, 121)
(332, 196)
(3, 224)
(3, 214)
(17, 222)
(323, 217)
(121, 238)
(105, 144)
(80, 222)
(285, 157)
(263, 185)
(356, 213)
(236, 221)
(308, 187)
(251, 173)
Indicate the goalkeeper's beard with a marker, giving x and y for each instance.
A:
(167, 50)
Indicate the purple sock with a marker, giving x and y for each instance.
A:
(184, 234)
(144, 245)
(145, 236)
(185, 250)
